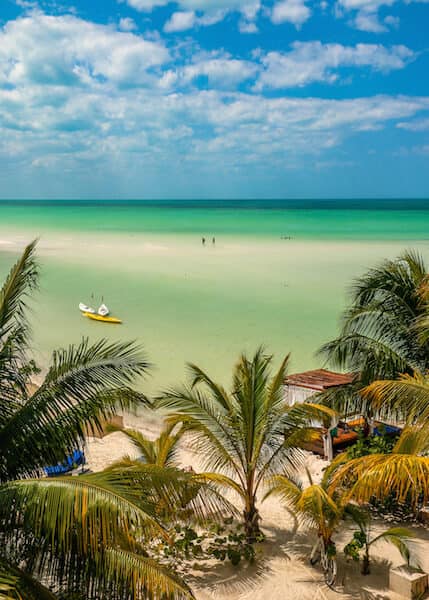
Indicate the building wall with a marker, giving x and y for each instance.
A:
(295, 393)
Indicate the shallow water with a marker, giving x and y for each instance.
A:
(185, 302)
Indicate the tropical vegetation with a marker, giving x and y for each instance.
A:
(404, 471)
(362, 542)
(161, 451)
(379, 337)
(244, 436)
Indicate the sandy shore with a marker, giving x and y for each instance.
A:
(282, 570)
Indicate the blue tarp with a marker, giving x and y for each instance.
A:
(77, 458)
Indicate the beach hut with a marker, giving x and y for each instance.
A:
(298, 387)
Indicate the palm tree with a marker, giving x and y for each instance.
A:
(405, 398)
(245, 436)
(312, 504)
(69, 534)
(404, 472)
(362, 540)
(323, 508)
(162, 451)
(192, 498)
(378, 337)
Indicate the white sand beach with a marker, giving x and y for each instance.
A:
(282, 570)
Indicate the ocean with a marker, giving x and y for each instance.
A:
(278, 273)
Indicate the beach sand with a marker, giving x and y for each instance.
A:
(282, 570)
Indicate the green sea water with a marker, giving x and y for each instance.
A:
(187, 302)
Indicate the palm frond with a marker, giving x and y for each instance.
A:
(378, 336)
(344, 399)
(22, 279)
(246, 434)
(379, 475)
(399, 537)
(141, 576)
(221, 480)
(15, 584)
(406, 397)
(171, 493)
(14, 329)
(161, 451)
(289, 489)
(102, 505)
(85, 384)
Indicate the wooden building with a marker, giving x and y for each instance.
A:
(300, 386)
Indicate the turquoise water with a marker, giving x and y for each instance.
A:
(361, 222)
(185, 302)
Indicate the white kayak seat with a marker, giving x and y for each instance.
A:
(103, 311)
(84, 308)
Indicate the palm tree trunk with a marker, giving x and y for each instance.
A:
(251, 520)
(365, 562)
(251, 515)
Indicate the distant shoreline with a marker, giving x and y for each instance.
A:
(243, 204)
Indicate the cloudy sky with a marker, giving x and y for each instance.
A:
(214, 98)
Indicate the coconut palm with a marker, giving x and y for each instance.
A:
(405, 398)
(323, 509)
(162, 451)
(363, 541)
(313, 504)
(378, 338)
(317, 508)
(245, 436)
(70, 534)
(404, 472)
(192, 498)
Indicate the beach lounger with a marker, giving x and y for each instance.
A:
(71, 462)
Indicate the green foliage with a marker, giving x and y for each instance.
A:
(161, 451)
(226, 541)
(378, 337)
(378, 444)
(393, 483)
(354, 547)
(362, 542)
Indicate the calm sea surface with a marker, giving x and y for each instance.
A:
(277, 274)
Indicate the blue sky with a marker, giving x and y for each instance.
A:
(214, 98)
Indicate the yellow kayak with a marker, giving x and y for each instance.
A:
(96, 317)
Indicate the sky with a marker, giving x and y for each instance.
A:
(214, 99)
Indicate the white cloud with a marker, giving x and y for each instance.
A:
(84, 52)
(132, 132)
(392, 21)
(209, 11)
(365, 13)
(417, 125)
(180, 21)
(247, 26)
(116, 101)
(184, 20)
(145, 5)
(369, 6)
(127, 24)
(310, 62)
(221, 71)
(366, 20)
(369, 22)
(203, 5)
(290, 11)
